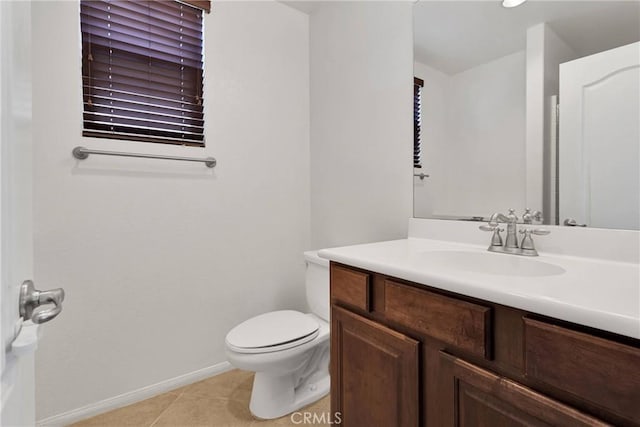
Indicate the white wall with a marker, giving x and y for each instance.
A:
(477, 163)
(361, 126)
(160, 259)
(545, 52)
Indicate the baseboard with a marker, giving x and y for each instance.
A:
(134, 396)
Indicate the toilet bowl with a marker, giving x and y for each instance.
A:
(288, 350)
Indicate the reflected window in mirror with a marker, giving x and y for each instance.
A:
(417, 121)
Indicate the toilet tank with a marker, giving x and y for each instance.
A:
(317, 284)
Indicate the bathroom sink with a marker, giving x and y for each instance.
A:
(489, 263)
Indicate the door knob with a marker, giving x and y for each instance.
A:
(570, 222)
(31, 299)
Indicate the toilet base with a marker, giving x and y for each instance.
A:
(274, 396)
(289, 379)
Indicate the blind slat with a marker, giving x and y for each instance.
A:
(146, 10)
(122, 95)
(113, 119)
(121, 11)
(101, 40)
(98, 100)
(142, 70)
(101, 54)
(140, 37)
(131, 76)
(165, 139)
(160, 74)
(135, 128)
(132, 85)
(108, 110)
(97, 10)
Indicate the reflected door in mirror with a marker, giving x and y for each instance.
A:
(599, 143)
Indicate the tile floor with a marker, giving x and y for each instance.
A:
(220, 401)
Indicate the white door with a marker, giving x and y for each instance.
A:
(599, 145)
(16, 256)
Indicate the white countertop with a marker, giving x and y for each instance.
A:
(601, 294)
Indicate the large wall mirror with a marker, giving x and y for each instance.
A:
(535, 106)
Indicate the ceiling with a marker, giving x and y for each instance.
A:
(306, 6)
(453, 36)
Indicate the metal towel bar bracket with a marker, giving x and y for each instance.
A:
(82, 153)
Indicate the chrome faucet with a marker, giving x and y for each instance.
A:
(511, 219)
(511, 246)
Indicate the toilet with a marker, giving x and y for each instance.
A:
(288, 350)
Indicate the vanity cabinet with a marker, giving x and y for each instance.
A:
(406, 354)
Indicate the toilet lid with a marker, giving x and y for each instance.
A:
(272, 331)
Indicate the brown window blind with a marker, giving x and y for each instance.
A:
(142, 70)
(417, 121)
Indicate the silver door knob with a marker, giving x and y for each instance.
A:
(570, 222)
(31, 299)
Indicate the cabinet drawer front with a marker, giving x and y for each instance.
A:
(603, 372)
(350, 287)
(482, 398)
(459, 323)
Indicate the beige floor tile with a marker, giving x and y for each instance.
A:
(235, 384)
(283, 421)
(139, 414)
(197, 411)
(320, 408)
(220, 401)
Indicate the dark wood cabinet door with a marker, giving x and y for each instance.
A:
(484, 399)
(601, 371)
(374, 373)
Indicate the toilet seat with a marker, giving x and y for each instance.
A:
(273, 331)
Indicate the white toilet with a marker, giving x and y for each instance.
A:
(288, 350)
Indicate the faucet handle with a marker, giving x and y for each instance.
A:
(536, 231)
(527, 245)
(528, 217)
(496, 239)
(489, 227)
(540, 232)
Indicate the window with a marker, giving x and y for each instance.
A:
(417, 121)
(142, 70)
